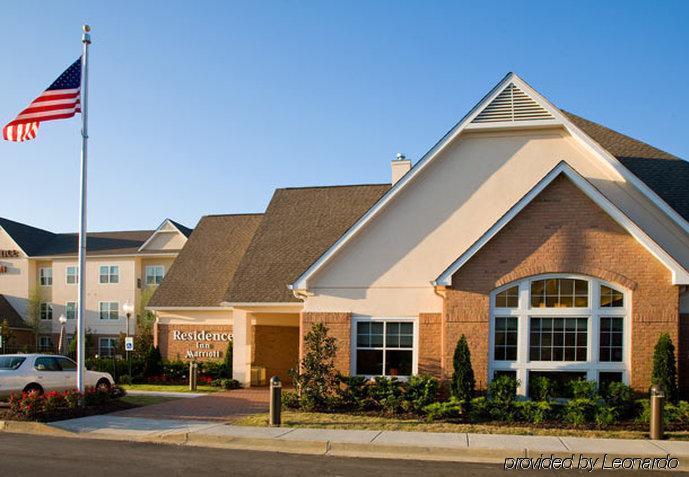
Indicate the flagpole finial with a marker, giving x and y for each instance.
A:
(86, 37)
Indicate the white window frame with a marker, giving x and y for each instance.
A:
(46, 308)
(593, 312)
(414, 349)
(154, 268)
(75, 275)
(74, 304)
(109, 274)
(103, 339)
(100, 310)
(45, 276)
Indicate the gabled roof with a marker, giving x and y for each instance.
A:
(29, 239)
(167, 226)
(299, 225)
(512, 103)
(202, 271)
(7, 312)
(679, 274)
(186, 231)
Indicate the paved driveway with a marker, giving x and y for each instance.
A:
(223, 406)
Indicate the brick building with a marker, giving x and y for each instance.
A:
(557, 246)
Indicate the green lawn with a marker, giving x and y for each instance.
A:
(171, 388)
(364, 422)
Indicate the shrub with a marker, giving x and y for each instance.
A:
(673, 414)
(579, 411)
(620, 397)
(53, 401)
(502, 393)
(174, 371)
(290, 400)
(605, 415)
(386, 394)
(541, 389)
(582, 389)
(536, 412)
(665, 367)
(353, 393)
(125, 379)
(228, 359)
(463, 381)
(479, 409)
(226, 383)
(421, 391)
(447, 410)
(153, 362)
(317, 382)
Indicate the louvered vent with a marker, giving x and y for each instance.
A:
(512, 104)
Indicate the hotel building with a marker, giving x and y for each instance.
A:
(119, 265)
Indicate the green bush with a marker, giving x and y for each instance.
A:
(153, 362)
(541, 389)
(447, 410)
(290, 400)
(536, 412)
(226, 383)
(665, 367)
(582, 389)
(463, 382)
(352, 394)
(115, 367)
(673, 414)
(387, 394)
(479, 409)
(579, 411)
(502, 394)
(125, 379)
(621, 398)
(174, 371)
(421, 390)
(605, 415)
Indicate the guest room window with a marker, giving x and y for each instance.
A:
(384, 347)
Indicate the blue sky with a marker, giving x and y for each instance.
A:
(206, 107)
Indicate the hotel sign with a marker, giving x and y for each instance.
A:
(9, 254)
(203, 342)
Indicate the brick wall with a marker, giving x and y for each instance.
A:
(172, 349)
(339, 326)
(277, 349)
(430, 343)
(563, 231)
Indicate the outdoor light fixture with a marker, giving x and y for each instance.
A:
(63, 337)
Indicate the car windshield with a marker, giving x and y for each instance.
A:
(11, 362)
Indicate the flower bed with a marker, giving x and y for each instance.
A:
(56, 406)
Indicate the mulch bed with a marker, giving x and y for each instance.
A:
(112, 406)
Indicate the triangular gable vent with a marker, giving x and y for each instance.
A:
(512, 104)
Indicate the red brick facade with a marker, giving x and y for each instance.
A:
(277, 349)
(339, 326)
(563, 231)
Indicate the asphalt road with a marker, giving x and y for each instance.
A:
(31, 455)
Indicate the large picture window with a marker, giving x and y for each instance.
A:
(559, 326)
(384, 347)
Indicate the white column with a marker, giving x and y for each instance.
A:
(241, 347)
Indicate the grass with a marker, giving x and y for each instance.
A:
(365, 422)
(171, 388)
(140, 401)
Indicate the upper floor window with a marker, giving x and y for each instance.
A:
(72, 277)
(46, 311)
(109, 310)
(155, 274)
(45, 276)
(71, 310)
(109, 274)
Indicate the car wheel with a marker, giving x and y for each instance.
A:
(33, 388)
(103, 385)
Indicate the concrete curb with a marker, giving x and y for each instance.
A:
(286, 440)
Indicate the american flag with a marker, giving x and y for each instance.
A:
(59, 101)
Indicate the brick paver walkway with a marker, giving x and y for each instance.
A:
(223, 406)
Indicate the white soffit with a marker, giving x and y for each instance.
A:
(535, 112)
(680, 276)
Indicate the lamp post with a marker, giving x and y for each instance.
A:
(128, 309)
(63, 336)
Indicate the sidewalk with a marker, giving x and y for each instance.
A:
(381, 444)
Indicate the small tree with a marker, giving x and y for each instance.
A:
(145, 321)
(317, 381)
(665, 367)
(153, 364)
(7, 335)
(33, 312)
(90, 344)
(227, 362)
(463, 381)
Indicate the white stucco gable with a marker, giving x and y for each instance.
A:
(168, 236)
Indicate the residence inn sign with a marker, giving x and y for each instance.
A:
(202, 344)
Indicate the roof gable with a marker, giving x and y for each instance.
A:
(169, 235)
(499, 100)
(679, 274)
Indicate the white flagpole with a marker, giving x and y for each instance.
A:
(81, 334)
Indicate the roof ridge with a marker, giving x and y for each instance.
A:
(335, 185)
(241, 214)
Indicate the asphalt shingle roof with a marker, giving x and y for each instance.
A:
(203, 269)
(299, 225)
(7, 312)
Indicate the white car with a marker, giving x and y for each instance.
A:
(41, 372)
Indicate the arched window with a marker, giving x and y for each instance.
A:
(562, 327)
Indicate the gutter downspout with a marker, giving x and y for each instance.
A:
(441, 291)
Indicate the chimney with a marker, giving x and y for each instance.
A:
(400, 166)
